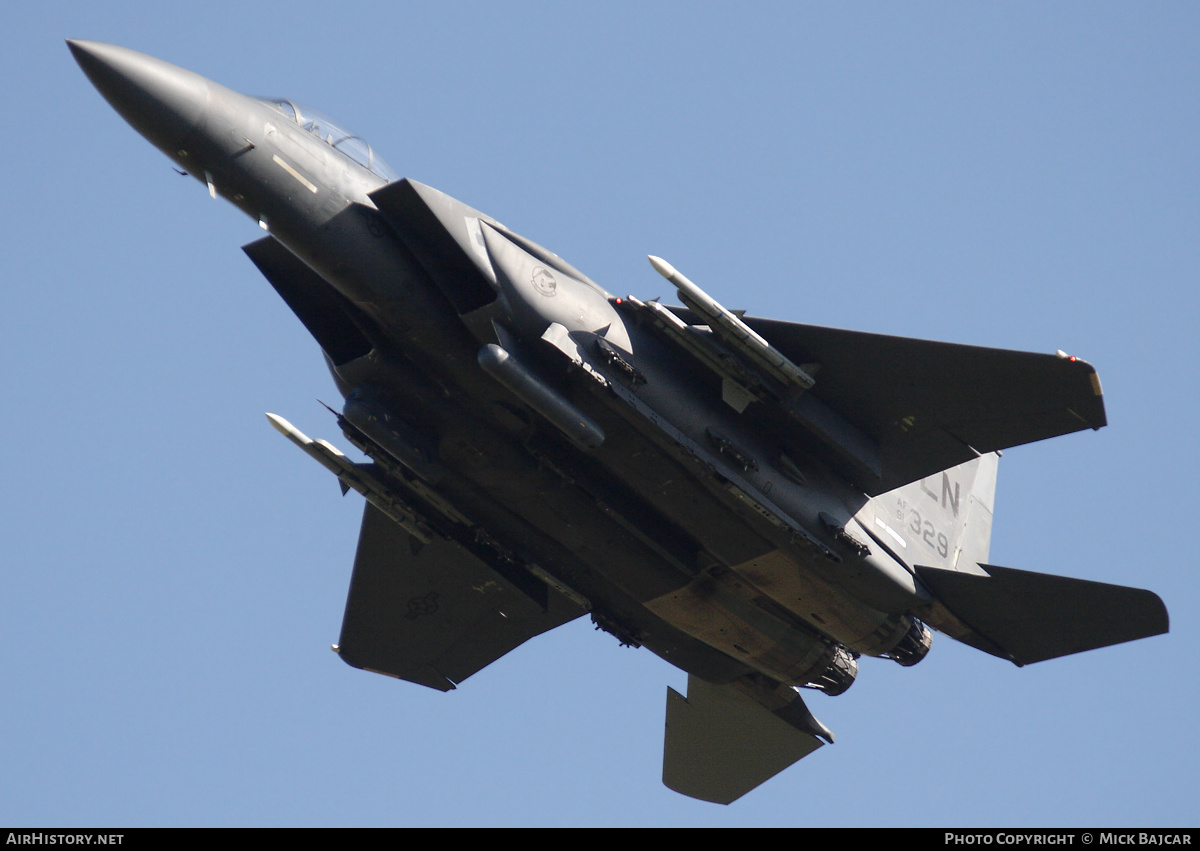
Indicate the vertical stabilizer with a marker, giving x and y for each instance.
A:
(943, 520)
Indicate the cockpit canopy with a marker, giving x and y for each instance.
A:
(319, 124)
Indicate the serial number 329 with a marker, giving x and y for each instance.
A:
(925, 530)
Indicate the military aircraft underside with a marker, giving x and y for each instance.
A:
(760, 503)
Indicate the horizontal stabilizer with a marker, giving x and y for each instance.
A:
(1030, 617)
(721, 742)
(434, 614)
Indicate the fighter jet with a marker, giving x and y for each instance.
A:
(760, 503)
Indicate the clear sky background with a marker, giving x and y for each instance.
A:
(173, 571)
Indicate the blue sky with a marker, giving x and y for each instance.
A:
(172, 571)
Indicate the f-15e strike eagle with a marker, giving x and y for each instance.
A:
(760, 503)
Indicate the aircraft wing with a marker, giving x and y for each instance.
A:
(884, 411)
(930, 405)
(434, 614)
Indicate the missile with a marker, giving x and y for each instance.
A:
(356, 477)
(733, 331)
(757, 370)
(327, 455)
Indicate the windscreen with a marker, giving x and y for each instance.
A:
(319, 124)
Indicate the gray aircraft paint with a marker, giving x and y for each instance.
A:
(758, 502)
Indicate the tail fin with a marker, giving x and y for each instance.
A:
(943, 520)
(941, 526)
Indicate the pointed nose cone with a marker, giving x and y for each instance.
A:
(161, 101)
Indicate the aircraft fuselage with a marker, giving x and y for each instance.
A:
(680, 523)
(757, 518)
